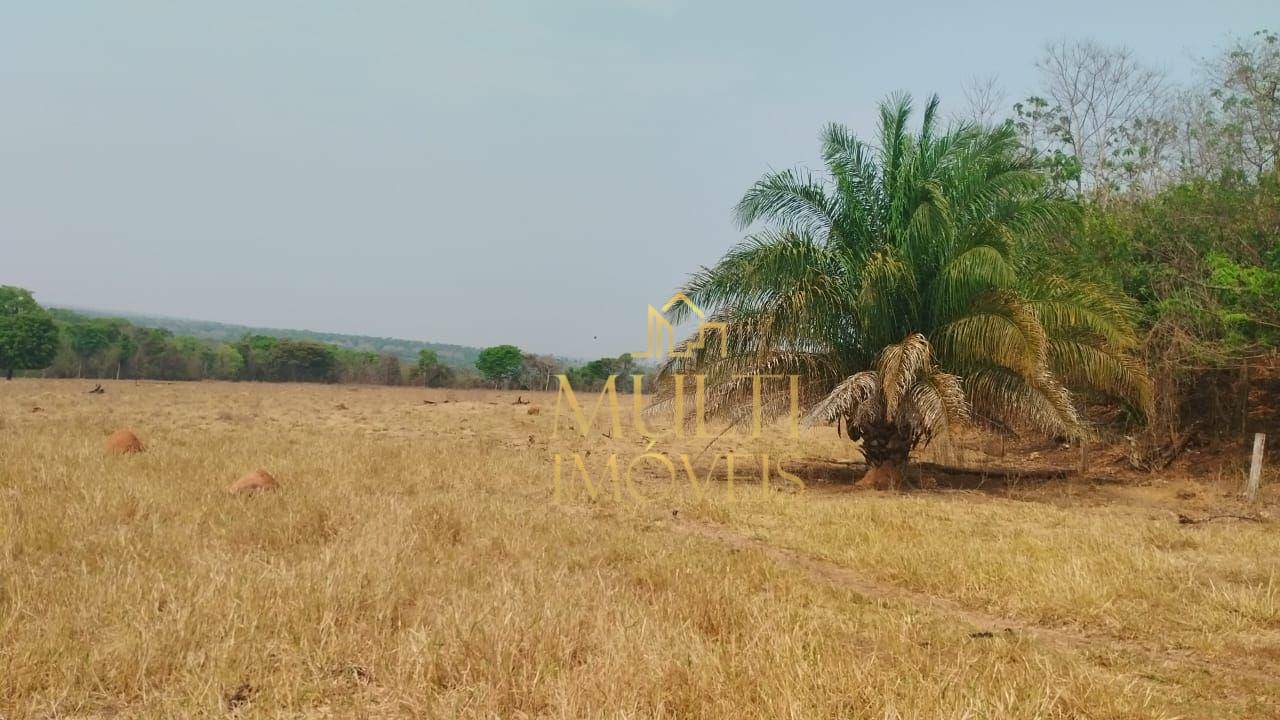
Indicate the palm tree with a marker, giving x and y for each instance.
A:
(899, 289)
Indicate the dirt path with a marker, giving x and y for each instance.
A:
(985, 625)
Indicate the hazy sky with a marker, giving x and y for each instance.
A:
(468, 172)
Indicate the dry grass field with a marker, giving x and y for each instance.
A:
(416, 562)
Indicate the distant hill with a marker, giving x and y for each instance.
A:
(461, 356)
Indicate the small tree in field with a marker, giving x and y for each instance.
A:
(500, 363)
(536, 371)
(28, 335)
(429, 370)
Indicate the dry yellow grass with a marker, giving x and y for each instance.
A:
(415, 563)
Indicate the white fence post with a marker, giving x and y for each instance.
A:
(1255, 467)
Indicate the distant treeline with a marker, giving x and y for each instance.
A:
(458, 356)
(100, 347)
(75, 345)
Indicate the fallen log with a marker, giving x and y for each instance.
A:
(1049, 473)
(1188, 520)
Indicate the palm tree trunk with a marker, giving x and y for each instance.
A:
(886, 450)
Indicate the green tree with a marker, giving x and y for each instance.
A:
(156, 357)
(427, 359)
(89, 338)
(255, 350)
(593, 375)
(430, 370)
(225, 362)
(28, 334)
(389, 370)
(1202, 259)
(500, 363)
(126, 350)
(301, 361)
(193, 356)
(896, 289)
(356, 366)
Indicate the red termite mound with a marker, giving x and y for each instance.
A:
(123, 442)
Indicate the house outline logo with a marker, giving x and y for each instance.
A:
(661, 334)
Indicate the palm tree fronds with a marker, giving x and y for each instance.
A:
(896, 285)
(1102, 369)
(999, 330)
(933, 406)
(857, 397)
(1041, 404)
(899, 366)
(790, 198)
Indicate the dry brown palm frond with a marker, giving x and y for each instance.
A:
(932, 407)
(899, 365)
(928, 401)
(936, 400)
(857, 395)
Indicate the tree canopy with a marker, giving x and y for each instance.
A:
(28, 334)
(500, 363)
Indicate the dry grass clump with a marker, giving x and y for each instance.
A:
(419, 566)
